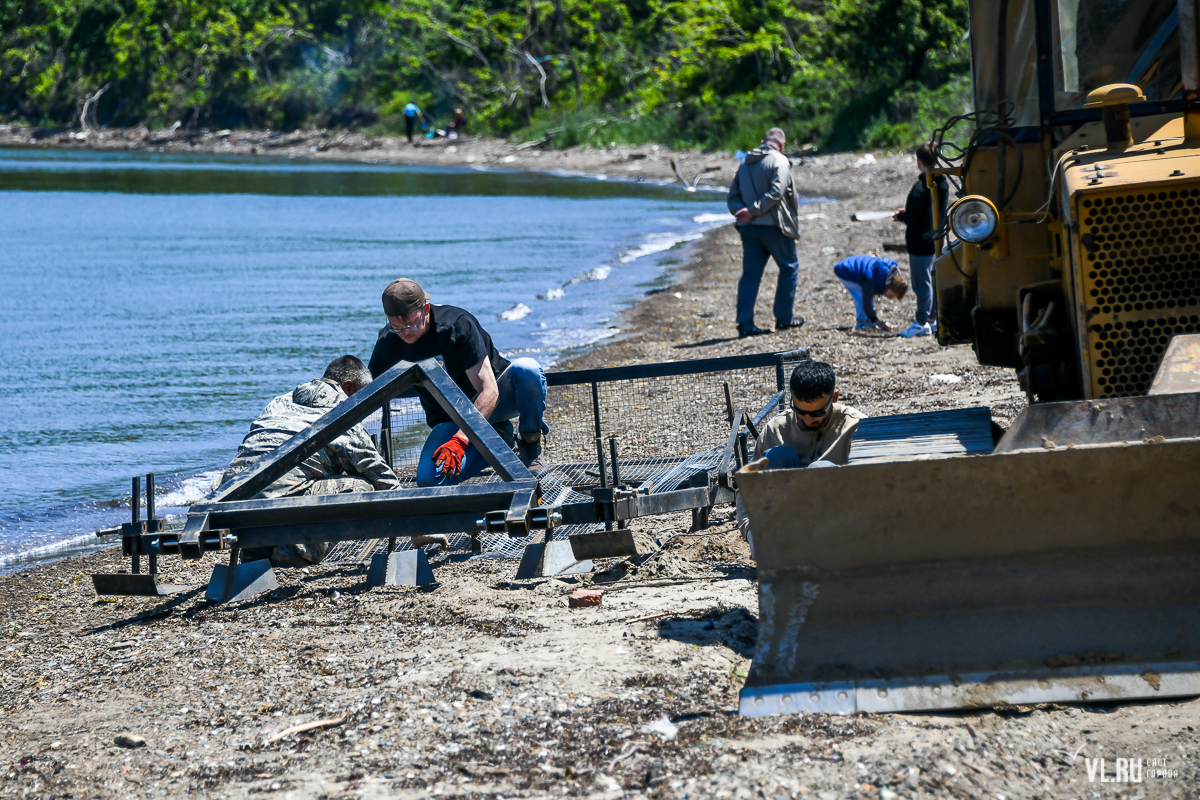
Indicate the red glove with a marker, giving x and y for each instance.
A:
(449, 456)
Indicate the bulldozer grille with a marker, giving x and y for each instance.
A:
(1139, 280)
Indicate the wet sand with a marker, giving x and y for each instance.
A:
(487, 687)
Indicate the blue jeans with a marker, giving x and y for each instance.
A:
(856, 294)
(784, 457)
(921, 269)
(760, 242)
(522, 389)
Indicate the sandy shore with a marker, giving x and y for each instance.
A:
(486, 687)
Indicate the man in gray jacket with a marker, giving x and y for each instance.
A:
(764, 201)
(350, 463)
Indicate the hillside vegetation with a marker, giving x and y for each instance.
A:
(840, 74)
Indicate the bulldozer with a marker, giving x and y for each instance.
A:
(1057, 562)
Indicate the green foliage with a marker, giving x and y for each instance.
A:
(716, 73)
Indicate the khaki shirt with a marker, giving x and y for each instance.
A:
(832, 440)
(811, 445)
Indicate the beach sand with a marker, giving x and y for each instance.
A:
(486, 687)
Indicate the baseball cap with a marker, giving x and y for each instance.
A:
(403, 296)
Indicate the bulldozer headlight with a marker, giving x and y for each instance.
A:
(974, 219)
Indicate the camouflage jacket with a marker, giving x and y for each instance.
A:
(352, 453)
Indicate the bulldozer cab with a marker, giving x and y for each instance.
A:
(1080, 110)
(1088, 45)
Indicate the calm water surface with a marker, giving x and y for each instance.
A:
(151, 306)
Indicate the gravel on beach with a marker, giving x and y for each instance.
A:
(486, 687)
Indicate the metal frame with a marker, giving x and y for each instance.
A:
(234, 519)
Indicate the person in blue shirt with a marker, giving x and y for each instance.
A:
(866, 276)
(412, 112)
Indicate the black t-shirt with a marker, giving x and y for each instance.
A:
(918, 216)
(454, 335)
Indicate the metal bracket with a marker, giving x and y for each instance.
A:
(403, 568)
(603, 544)
(129, 584)
(544, 559)
(232, 583)
(724, 478)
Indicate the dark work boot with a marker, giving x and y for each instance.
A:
(529, 450)
(784, 324)
(752, 330)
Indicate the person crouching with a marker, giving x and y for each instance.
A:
(865, 277)
(348, 464)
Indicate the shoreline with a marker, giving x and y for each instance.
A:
(646, 162)
(50, 526)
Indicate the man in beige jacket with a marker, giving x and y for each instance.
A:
(814, 431)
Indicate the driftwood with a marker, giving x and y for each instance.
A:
(319, 724)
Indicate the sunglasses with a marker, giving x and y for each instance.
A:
(800, 412)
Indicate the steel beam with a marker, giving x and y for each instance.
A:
(665, 369)
(476, 497)
(331, 425)
(478, 430)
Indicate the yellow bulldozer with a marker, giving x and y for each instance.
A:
(1057, 562)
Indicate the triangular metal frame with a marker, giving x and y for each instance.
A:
(430, 508)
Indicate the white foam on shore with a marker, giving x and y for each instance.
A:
(564, 338)
(707, 219)
(519, 311)
(189, 490)
(657, 243)
(597, 274)
(74, 545)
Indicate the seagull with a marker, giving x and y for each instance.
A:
(691, 187)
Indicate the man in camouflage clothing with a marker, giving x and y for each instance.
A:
(350, 463)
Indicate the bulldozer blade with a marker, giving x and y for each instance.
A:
(1179, 371)
(1047, 575)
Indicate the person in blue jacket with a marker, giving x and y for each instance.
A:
(866, 276)
(412, 112)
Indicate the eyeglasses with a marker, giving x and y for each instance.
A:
(800, 412)
(407, 328)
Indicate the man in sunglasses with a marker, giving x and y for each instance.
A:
(815, 426)
(502, 390)
(814, 431)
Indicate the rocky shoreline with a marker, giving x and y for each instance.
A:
(483, 686)
(649, 162)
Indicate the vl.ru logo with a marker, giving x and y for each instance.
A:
(1128, 770)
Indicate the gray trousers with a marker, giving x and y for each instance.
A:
(921, 269)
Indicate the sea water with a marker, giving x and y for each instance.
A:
(151, 305)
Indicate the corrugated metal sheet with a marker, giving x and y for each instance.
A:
(961, 431)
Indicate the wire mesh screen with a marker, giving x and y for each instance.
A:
(671, 416)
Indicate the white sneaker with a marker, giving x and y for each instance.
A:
(917, 329)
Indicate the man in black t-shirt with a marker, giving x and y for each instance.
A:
(499, 388)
